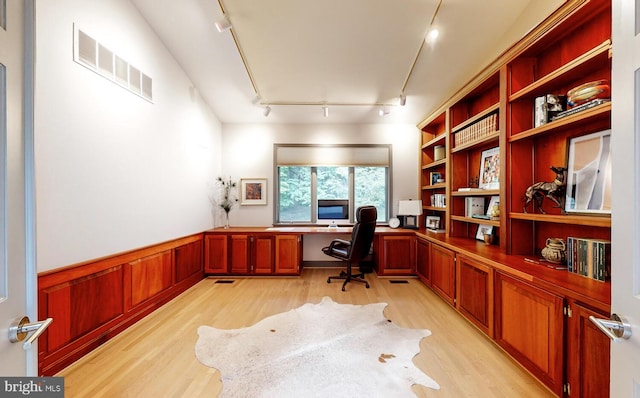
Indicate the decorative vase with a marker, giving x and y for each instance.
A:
(226, 220)
(555, 251)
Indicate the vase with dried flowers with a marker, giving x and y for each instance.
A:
(228, 197)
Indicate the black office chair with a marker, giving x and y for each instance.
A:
(357, 249)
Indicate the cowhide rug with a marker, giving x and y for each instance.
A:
(316, 350)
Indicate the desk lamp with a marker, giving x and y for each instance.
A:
(409, 212)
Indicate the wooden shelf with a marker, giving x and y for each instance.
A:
(584, 220)
(434, 164)
(495, 223)
(484, 192)
(436, 140)
(585, 116)
(495, 136)
(579, 66)
(441, 185)
(434, 208)
(479, 116)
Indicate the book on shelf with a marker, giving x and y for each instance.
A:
(476, 131)
(473, 205)
(589, 257)
(438, 200)
(580, 108)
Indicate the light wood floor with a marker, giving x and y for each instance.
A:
(155, 357)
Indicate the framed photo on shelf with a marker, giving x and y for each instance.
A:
(494, 201)
(482, 230)
(588, 187)
(253, 191)
(434, 177)
(433, 222)
(490, 169)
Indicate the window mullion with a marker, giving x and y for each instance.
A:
(352, 195)
(314, 195)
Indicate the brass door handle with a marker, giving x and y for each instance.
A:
(22, 327)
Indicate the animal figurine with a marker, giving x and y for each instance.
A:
(553, 190)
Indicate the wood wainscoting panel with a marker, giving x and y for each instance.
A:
(93, 301)
(188, 260)
(73, 305)
(101, 291)
(150, 276)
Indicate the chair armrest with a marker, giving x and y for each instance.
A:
(339, 242)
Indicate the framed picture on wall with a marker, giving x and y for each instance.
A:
(253, 191)
(589, 174)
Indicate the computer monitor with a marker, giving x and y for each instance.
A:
(333, 209)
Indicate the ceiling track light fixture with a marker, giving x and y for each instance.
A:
(422, 43)
(403, 99)
(384, 111)
(325, 111)
(223, 24)
(432, 35)
(267, 110)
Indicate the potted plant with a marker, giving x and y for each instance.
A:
(228, 197)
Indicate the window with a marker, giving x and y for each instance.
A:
(305, 174)
(294, 194)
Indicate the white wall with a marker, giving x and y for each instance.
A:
(115, 172)
(248, 153)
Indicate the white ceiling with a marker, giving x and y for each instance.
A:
(352, 55)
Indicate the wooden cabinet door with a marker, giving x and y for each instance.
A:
(288, 254)
(263, 254)
(423, 267)
(474, 289)
(588, 355)
(397, 255)
(530, 327)
(443, 272)
(239, 253)
(215, 254)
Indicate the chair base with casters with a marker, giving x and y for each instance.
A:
(349, 277)
(357, 249)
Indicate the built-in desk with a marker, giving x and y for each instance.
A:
(285, 249)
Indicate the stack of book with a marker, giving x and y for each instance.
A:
(589, 257)
(438, 200)
(476, 131)
(580, 108)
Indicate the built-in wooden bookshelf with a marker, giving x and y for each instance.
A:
(496, 110)
(471, 112)
(434, 159)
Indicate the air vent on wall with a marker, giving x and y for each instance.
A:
(90, 53)
(86, 50)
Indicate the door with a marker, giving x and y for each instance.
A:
(625, 217)
(17, 254)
